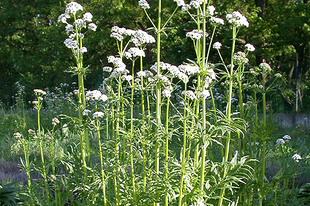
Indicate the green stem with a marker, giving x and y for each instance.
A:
(183, 157)
(131, 134)
(228, 112)
(167, 149)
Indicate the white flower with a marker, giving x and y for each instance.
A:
(190, 94)
(144, 4)
(278, 75)
(98, 115)
(70, 43)
(92, 26)
(240, 58)
(117, 36)
(280, 141)
(217, 45)
(87, 17)
(183, 77)
(286, 137)
(180, 2)
(211, 10)
(237, 19)
(55, 121)
(127, 78)
(96, 95)
(73, 7)
(296, 157)
(205, 94)
(166, 93)
(217, 20)
(136, 52)
(17, 135)
(39, 92)
(63, 18)
(86, 112)
(141, 37)
(80, 23)
(249, 47)
(69, 28)
(83, 49)
(265, 67)
(185, 7)
(197, 3)
(195, 34)
(107, 69)
(141, 74)
(188, 69)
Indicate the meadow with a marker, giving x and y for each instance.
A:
(160, 134)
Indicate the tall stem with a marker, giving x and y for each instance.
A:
(131, 134)
(204, 110)
(228, 112)
(183, 154)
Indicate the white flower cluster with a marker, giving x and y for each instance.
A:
(119, 33)
(196, 3)
(166, 93)
(98, 114)
(296, 157)
(195, 34)
(145, 73)
(237, 19)
(211, 10)
(119, 67)
(179, 2)
(144, 4)
(190, 94)
(134, 52)
(286, 137)
(17, 135)
(73, 7)
(216, 20)
(249, 47)
(141, 37)
(265, 67)
(185, 7)
(280, 141)
(189, 69)
(217, 45)
(55, 121)
(79, 24)
(96, 95)
(240, 58)
(39, 92)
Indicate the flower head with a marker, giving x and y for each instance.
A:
(98, 115)
(196, 3)
(63, 18)
(55, 121)
(265, 67)
(180, 2)
(286, 137)
(195, 34)
(17, 135)
(144, 4)
(216, 20)
(70, 43)
(296, 157)
(39, 92)
(249, 47)
(141, 37)
(217, 45)
(87, 17)
(237, 19)
(73, 7)
(211, 10)
(280, 141)
(240, 58)
(92, 26)
(166, 93)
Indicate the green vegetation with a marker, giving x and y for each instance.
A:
(185, 132)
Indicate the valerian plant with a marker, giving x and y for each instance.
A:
(154, 135)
